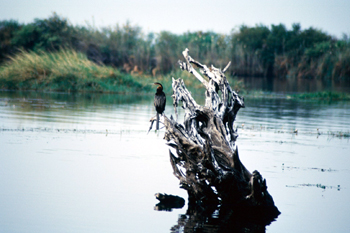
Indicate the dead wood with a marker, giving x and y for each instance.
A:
(204, 154)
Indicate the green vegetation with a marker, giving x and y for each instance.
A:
(64, 70)
(325, 95)
(52, 54)
(67, 70)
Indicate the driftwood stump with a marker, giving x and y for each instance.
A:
(204, 154)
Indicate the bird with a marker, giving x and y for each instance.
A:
(159, 102)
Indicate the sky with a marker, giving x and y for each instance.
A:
(179, 16)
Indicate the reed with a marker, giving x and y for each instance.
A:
(324, 95)
(260, 50)
(67, 70)
(64, 70)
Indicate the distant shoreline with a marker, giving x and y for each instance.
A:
(69, 71)
(258, 51)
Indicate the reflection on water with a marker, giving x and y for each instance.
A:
(72, 112)
(84, 163)
(294, 85)
(231, 219)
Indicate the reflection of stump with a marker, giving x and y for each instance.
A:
(246, 219)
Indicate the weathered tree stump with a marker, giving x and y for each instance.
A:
(205, 156)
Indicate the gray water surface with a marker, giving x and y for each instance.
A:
(85, 163)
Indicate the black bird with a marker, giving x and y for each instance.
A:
(159, 102)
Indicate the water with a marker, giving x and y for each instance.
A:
(293, 85)
(85, 163)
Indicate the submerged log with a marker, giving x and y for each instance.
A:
(204, 154)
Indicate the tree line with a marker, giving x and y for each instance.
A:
(254, 51)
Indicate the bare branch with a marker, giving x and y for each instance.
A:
(226, 68)
(187, 66)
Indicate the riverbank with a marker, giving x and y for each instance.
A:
(258, 51)
(65, 70)
(321, 95)
(70, 71)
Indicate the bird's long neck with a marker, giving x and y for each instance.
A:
(159, 90)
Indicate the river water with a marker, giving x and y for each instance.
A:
(292, 85)
(85, 163)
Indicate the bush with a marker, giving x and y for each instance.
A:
(254, 51)
(45, 34)
(7, 31)
(65, 70)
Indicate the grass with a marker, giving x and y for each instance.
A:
(65, 70)
(68, 71)
(324, 95)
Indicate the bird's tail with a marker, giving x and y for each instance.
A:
(157, 126)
